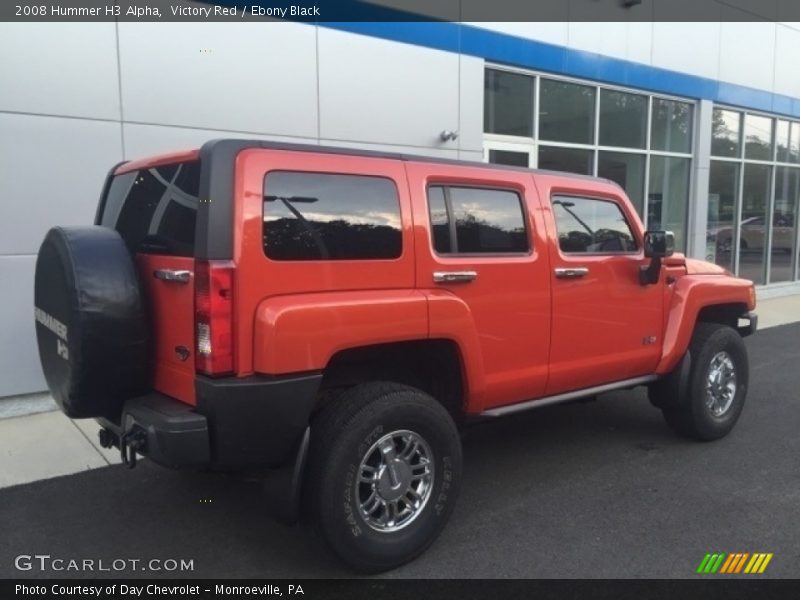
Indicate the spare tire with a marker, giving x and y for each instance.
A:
(90, 321)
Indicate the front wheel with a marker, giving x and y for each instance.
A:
(717, 386)
(384, 473)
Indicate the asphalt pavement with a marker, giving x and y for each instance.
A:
(592, 490)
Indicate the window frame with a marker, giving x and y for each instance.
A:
(451, 223)
(614, 201)
(398, 200)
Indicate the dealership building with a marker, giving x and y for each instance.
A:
(699, 122)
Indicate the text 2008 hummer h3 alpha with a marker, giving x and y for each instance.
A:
(330, 318)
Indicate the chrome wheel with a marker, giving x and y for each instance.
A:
(395, 480)
(720, 384)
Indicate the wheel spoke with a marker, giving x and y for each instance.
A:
(394, 480)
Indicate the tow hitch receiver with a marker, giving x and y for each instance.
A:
(130, 443)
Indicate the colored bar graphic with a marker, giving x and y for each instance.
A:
(741, 562)
(718, 563)
(766, 562)
(703, 563)
(727, 564)
(730, 564)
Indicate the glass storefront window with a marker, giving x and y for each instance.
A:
(725, 132)
(788, 142)
(627, 170)
(566, 112)
(571, 160)
(753, 226)
(671, 126)
(509, 157)
(723, 190)
(508, 103)
(757, 137)
(668, 197)
(784, 223)
(623, 119)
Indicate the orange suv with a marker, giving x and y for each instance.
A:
(330, 318)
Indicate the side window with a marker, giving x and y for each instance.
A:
(591, 225)
(467, 220)
(320, 216)
(154, 210)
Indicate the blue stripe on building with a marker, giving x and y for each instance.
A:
(540, 56)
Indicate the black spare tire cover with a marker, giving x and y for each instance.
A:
(90, 321)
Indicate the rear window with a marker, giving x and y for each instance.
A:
(155, 210)
(322, 216)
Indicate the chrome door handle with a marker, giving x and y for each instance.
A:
(571, 272)
(172, 275)
(454, 276)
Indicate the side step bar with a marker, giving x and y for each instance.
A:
(566, 397)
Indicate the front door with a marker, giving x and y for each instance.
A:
(607, 326)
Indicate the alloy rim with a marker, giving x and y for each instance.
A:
(395, 480)
(720, 384)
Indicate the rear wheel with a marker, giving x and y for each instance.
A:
(717, 387)
(384, 472)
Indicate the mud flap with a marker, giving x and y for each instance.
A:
(283, 486)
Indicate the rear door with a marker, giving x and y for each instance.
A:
(480, 238)
(154, 210)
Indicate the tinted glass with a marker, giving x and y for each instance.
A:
(722, 192)
(591, 225)
(317, 216)
(757, 137)
(566, 112)
(628, 171)
(508, 103)
(755, 200)
(623, 119)
(572, 160)
(509, 157)
(725, 131)
(788, 140)
(440, 223)
(668, 198)
(672, 126)
(155, 210)
(484, 221)
(784, 223)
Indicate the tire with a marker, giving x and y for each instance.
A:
(344, 436)
(90, 321)
(709, 415)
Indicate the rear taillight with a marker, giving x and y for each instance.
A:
(213, 308)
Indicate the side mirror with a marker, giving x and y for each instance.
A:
(657, 245)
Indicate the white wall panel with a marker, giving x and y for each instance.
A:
(787, 62)
(59, 69)
(373, 90)
(145, 140)
(51, 173)
(640, 42)
(550, 32)
(607, 38)
(20, 371)
(747, 52)
(687, 47)
(470, 127)
(251, 77)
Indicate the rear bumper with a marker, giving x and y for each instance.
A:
(238, 423)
